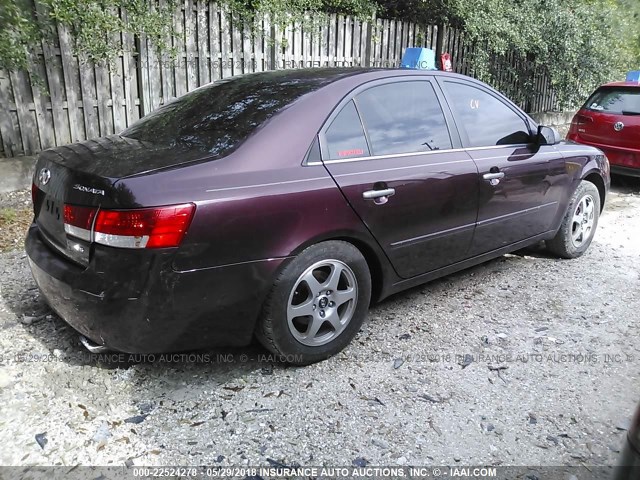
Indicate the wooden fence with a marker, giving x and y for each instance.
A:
(71, 99)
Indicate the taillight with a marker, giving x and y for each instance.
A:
(34, 193)
(78, 221)
(580, 120)
(157, 227)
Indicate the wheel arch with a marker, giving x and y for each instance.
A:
(595, 178)
(377, 262)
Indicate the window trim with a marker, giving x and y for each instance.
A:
(464, 137)
(413, 154)
(454, 135)
(324, 149)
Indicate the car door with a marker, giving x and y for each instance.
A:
(390, 150)
(520, 183)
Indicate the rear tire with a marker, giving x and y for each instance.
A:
(317, 303)
(579, 223)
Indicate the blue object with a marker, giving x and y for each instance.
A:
(633, 76)
(419, 58)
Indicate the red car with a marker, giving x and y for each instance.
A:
(610, 120)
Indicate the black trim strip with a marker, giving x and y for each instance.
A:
(489, 221)
(430, 236)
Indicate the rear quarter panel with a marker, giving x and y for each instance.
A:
(260, 202)
(248, 216)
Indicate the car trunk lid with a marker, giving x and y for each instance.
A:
(84, 175)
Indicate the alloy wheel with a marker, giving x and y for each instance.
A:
(322, 302)
(583, 220)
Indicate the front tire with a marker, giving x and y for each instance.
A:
(317, 303)
(579, 223)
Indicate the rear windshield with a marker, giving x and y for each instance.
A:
(620, 100)
(217, 117)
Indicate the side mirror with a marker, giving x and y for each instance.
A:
(548, 136)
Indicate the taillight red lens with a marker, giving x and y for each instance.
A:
(582, 119)
(81, 217)
(158, 227)
(34, 193)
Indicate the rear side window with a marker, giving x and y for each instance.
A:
(403, 117)
(345, 136)
(216, 118)
(486, 120)
(615, 100)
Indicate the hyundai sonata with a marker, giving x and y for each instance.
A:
(281, 204)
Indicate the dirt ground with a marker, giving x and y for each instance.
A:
(525, 360)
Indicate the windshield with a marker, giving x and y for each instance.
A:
(217, 117)
(618, 100)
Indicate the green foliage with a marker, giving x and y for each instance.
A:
(95, 23)
(578, 43)
(431, 12)
(296, 12)
(17, 30)
(629, 24)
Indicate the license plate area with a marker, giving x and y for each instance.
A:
(50, 220)
(54, 209)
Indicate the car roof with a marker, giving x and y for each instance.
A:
(338, 73)
(622, 84)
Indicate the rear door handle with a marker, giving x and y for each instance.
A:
(374, 194)
(493, 176)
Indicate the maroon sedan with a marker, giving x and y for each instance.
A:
(610, 120)
(281, 204)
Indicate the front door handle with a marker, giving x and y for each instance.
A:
(373, 194)
(493, 176)
(379, 196)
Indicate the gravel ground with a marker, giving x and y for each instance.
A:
(15, 216)
(525, 360)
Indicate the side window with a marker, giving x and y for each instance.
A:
(486, 119)
(403, 117)
(345, 137)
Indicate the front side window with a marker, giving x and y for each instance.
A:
(345, 136)
(403, 117)
(487, 120)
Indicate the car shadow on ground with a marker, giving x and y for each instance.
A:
(454, 280)
(625, 185)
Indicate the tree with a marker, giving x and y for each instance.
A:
(577, 43)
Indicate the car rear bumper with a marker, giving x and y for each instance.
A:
(149, 307)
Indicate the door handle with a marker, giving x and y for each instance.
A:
(374, 194)
(493, 176)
